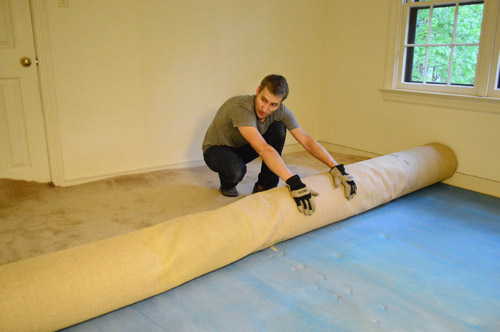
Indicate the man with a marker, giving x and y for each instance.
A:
(246, 127)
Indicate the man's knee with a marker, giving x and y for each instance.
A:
(278, 128)
(235, 173)
(275, 135)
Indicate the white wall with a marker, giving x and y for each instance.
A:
(138, 81)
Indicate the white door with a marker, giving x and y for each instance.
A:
(23, 146)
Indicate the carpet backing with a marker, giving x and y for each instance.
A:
(62, 288)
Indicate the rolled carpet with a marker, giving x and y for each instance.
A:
(62, 288)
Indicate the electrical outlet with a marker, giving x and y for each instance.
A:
(63, 3)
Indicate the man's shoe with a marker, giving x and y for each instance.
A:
(232, 192)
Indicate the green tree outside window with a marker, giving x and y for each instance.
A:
(442, 36)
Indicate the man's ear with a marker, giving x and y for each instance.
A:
(258, 90)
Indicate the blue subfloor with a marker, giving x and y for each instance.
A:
(429, 261)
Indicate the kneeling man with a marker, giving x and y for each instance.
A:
(246, 127)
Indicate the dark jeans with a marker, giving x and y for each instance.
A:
(230, 163)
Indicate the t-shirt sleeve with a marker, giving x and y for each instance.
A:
(286, 116)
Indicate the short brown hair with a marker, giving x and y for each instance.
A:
(276, 84)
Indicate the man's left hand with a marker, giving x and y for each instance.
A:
(341, 177)
(302, 195)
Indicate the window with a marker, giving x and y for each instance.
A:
(442, 43)
(444, 47)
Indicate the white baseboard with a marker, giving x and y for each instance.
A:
(92, 178)
(292, 148)
(195, 163)
(474, 183)
(332, 148)
(336, 148)
(466, 181)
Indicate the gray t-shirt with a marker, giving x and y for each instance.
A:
(237, 112)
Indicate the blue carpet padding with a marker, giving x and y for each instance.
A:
(429, 261)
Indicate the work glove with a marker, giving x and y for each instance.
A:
(341, 177)
(302, 195)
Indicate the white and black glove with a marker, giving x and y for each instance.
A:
(303, 196)
(341, 177)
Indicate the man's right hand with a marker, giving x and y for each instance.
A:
(303, 196)
(340, 176)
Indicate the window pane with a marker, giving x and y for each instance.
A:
(442, 25)
(438, 64)
(422, 27)
(469, 22)
(415, 64)
(418, 25)
(464, 65)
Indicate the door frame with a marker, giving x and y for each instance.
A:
(47, 90)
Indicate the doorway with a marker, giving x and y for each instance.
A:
(23, 143)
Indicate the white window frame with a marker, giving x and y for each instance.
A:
(482, 97)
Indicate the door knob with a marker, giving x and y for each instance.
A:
(25, 61)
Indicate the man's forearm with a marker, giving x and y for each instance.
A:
(320, 153)
(275, 163)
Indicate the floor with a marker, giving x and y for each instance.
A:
(429, 261)
(36, 219)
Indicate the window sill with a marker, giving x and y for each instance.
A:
(469, 103)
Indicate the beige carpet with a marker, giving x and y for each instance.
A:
(38, 218)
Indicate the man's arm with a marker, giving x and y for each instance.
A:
(339, 175)
(313, 147)
(268, 154)
(301, 194)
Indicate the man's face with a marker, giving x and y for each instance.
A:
(265, 103)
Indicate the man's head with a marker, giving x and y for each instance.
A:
(276, 84)
(270, 94)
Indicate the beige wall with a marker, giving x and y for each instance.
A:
(137, 82)
(355, 52)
